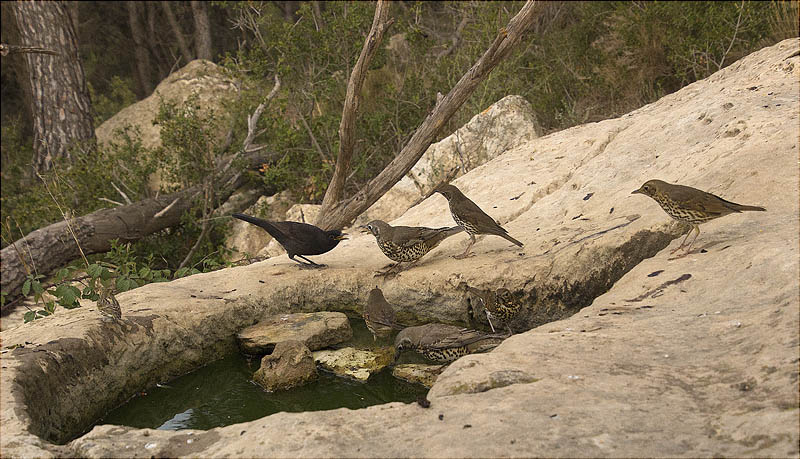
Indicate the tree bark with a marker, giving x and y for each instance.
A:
(202, 30)
(144, 70)
(176, 30)
(341, 213)
(56, 85)
(380, 23)
(53, 246)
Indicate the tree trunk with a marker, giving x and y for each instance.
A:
(176, 30)
(352, 99)
(202, 30)
(341, 213)
(143, 69)
(56, 85)
(53, 246)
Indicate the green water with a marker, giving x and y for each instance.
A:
(222, 393)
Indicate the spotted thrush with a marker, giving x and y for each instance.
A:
(690, 205)
(469, 216)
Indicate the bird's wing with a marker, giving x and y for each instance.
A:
(407, 236)
(693, 198)
(475, 214)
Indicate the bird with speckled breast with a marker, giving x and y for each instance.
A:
(472, 218)
(690, 206)
(499, 304)
(407, 243)
(379, 315)
(444, 343)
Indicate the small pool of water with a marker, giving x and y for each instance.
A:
(223, 393)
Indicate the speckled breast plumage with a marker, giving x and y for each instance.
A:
(505, 308)
(468, 227)
(400, 254)
(680, 213)
(444, 355)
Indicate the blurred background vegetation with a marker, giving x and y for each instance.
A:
(582, 62)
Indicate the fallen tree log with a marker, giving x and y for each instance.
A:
(53, 246)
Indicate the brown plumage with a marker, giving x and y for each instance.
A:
(690, 205)
(407, 243)
(379, 315)
(444, 343)
(498, 304)
(469, 216)
(108, 305)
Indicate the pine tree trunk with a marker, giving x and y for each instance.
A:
(202, 30)
(142, 63)
(56, 85)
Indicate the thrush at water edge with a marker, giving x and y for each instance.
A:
(499, 304)
(298, 239)
(407, 243)
(444, 343)
(690, 205)
(469, 216)
(379, 315)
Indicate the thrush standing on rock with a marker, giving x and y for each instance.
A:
(407, 243)
(444, 343)
(298, 238)
(108, 305)
(469, 216)
(379, 315)
(690, 205)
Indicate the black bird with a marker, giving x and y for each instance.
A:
(298, 238)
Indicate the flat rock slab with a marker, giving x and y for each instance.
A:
(358, 364)
(316, 330)
(417, 373)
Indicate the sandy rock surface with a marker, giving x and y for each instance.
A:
(358, 364)
(654, 355)
(315, 330)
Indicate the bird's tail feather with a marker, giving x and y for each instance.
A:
(511, 239)
(271, 229)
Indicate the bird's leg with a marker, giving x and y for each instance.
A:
(489, 318)
(395, 267)
(684, 239)
(466, 252)
(696, 230)
(309, 265)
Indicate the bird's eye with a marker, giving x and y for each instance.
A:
(646, 188)
(369, 227)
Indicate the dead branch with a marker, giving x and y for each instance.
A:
(380, 23)
(337, 214)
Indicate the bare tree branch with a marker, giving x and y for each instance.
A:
(341, 213)
(380, 23)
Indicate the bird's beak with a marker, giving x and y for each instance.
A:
(364, 229)
(342, 237)
(639, 191)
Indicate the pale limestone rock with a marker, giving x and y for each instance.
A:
(289, 365)
(358, 364)
(641, 364)
(200, 77)
(417, 373)
(315, 330)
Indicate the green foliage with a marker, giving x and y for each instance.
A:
(120, 94)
